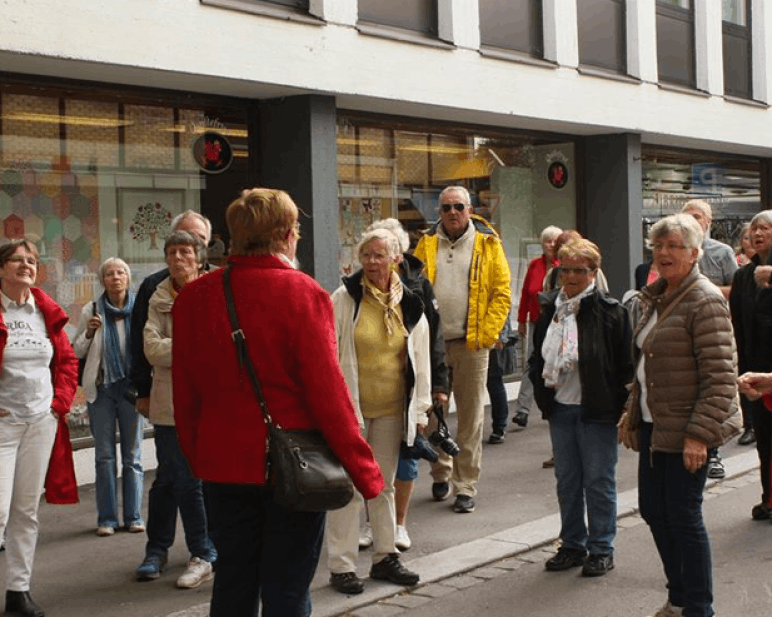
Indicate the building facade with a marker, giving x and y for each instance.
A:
(601, 115)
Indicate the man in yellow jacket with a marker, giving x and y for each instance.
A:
(465, 263)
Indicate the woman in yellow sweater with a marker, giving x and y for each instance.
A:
(383, 348)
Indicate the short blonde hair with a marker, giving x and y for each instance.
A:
(698, 204)
(259, 220)
(378, 234)
(114, 261)
(581, 249)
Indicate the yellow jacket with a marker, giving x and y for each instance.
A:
(489, 285)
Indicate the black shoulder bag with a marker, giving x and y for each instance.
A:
(303, 471)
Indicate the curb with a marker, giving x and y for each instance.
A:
(477, 553)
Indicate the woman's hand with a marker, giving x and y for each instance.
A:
(440, 398)
(522, 329)
(626, 436)
(761, 275)
(754, 385)
(695, 454)
(92, 326)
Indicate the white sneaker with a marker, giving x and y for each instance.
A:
(105, 531)
(366, 537)
(197, 572)
(402, 542)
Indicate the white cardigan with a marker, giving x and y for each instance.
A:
(417, 349)
(91, 349)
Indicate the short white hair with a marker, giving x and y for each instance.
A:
(379, 234)
(764, 215)
(177, 221)
(460, 189)
(395, 227)
(549, 232)
(699, 204)
(114, 261)
(684, 224)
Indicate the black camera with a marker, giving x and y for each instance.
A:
(419, 449)
(441, 436)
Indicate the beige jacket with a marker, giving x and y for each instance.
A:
(158, 350)
(691, 365)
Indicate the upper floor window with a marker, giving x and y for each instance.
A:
(736, 39)
(602, 34)
(512, 24)
(675, 42)
(417, 15)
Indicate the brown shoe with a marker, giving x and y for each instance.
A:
(549, 463)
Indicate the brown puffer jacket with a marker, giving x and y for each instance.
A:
(691, 366)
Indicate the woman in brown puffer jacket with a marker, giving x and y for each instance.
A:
(682, 400)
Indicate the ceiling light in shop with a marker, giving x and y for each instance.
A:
(73, 120)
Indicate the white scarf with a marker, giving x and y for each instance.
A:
(560, 349)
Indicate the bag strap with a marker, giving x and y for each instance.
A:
(241, 347)
(660, 318)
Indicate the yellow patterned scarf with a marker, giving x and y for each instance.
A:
(388, 301)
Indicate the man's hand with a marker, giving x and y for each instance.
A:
(143, 406)
(440, 398)
(754, 385)
(695, 454)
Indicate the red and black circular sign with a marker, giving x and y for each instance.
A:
(558, 174)
(212, 152)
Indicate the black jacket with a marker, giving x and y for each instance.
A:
(751, 308)
(605, 356)
(415, 281)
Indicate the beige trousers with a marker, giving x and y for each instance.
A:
(384, 436)
(469, 372)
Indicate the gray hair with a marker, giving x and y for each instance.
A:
(699, 204)
(379, 234)
(764, 215)
(684, 224)
(113, 261)
(395, 227)
(184, 238)
(549, 232)
(460, 189)
(177, 221)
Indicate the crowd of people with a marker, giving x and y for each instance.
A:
(657, 372)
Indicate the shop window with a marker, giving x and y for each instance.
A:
(512, 24)
(675, 42)
(87, 177)
(736, 39)
(417, 15)
(602, 34)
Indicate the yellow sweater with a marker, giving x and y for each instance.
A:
(380, 361)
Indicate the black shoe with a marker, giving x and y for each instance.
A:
(566, 558)
(347, 582)
(747, 438)
(440, 491)
(521, 419)
(391, 569)
(761, 512)
(598, 565)
(497, 436)
(20, 604)
(716, 467)
(464, 504)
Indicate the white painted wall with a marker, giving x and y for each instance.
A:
(185, 45)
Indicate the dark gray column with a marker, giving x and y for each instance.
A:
(613, 203)
(297, 153)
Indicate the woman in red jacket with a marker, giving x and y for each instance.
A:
(265, 552)
(38, 377)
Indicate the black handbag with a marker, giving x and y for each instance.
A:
(304, 473)
(82, 361)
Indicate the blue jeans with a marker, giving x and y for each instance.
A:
(265, 553)
(670, 499)
(110, 408)
(175, 487)
(585, 469)
(497, 393)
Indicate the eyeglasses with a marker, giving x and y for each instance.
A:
(447, 207)
(576, 270)
(670, 247)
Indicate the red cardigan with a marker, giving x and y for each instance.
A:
(288, 322)
(533, 285)
(61, 485)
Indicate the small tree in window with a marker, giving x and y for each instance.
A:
(151, 221)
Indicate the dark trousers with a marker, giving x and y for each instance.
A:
(762, 426)
(265, 553)
(670, 500)
(497, 392)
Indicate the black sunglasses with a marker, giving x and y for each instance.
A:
(460, 207)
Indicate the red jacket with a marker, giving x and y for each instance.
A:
(533, 285)
(289, 326)
(61, 485)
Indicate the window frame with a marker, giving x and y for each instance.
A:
(429, 28)
(732, 30)
(620, 61)
(671, 12)
(534, 48)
